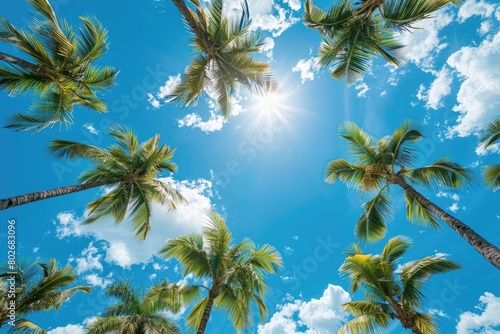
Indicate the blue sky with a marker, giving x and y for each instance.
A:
(263, 169)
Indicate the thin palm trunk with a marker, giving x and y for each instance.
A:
(21, 62)
(36, 196)
(490, 252)
(206, 313)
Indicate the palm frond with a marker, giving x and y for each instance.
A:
(419, 214)
(442, 174)
(362, 145)
(372, 225)
(492, 133)
(491, 175)
(400, 15)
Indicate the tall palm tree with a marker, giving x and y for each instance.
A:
(58, 67)
(38, 287)
(391, 291)
(139, 313)
(129, 167)
(491, 173)
(236, 272)
(379, 164)
(355, 31)
(223, 56)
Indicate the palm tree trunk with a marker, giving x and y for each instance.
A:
(36, 196)
(490, 252)
(212, 294)
(186, 13)
(22, 63)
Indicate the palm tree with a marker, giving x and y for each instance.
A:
(137, 313)
(58, 67)
(38, 287)
(237, 272)
(223, 56)
(379, 164)
(491, 173)
(391, 291)
(355, 31)
(131, 169)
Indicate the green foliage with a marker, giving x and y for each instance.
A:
(491, 173)
(356, 32)
(133, 169)
(391, 292)
(136, 312)
(237, 272)
(379, 163)
(58, 69)
(223, 58)
(39, 287)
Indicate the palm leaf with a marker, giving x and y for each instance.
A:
(442, 173)
(372, 225)
(491, 175)
(419, 214)
(492, 133)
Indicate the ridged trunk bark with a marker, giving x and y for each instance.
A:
(490, 252)
(206, 313)
(22, 63)
(37, 196)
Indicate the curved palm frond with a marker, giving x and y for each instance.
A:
(400, 15)
(491, 175)
(237, 272)
(418, 214)
(133, 169)
(372, 224)
(223, 57)
(61, 73)
(391, 292)
(441, 174)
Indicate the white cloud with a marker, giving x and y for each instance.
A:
(287, 250)
(384, 93)
(480, 150)
(193, 120)
(472, 7)
(478, 98)
(123, 248)
(434, 311)
(422, 45)
(320, 316)
(95, 280)
(267, 47)
(266, 15)
(90, 128)
(454, 207)
(154, 102)
(485, 28)
(89, 260)
(69, 329)
(453, 196)
(276, 20)
(487, 322)
(308, 68)
(439, 88)
(362, 89)
(294, 4)
(35, 249)
(164, 91)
